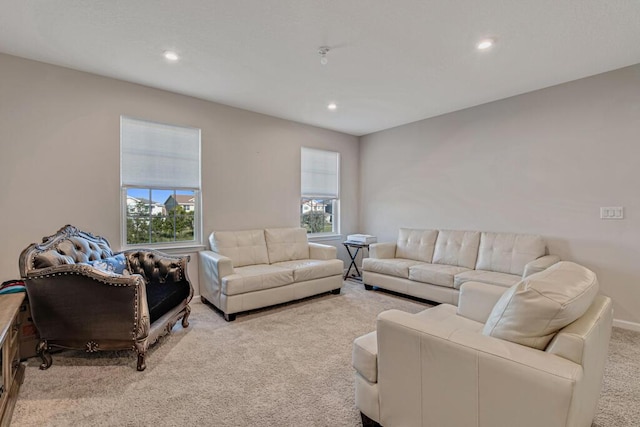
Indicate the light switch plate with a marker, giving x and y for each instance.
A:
(616, 212)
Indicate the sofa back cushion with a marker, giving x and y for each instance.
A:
(508, 252)
(72, 250)
(286, 244)
(533, 310)
(247, 247)
(415, 244)
(458, 248)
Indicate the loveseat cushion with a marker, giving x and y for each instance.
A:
(309, 269)
(72, 250)
(365, 356)
(532, 311)
(508, 252)
(247, 247)
(162, 297)
(416, 244)
(286, 244)
(446, 315)
(390, 266)
(458, 248)
(252, 278)
(116, 264)
(436, 274)
(490, 277)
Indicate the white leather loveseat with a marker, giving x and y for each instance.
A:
(531, 355)
(251, 269)
(433, 264)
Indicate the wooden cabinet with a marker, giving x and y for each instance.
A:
(12, 371)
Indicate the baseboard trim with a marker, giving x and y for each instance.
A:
(624, 324)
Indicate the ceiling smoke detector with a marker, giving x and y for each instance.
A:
(322, 51)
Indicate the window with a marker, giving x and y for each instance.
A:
(319, 203)
(160, 182)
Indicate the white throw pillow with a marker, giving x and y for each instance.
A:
(533, 310)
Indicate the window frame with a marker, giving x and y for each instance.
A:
(197, 221)
(197, 242)
(325, 235)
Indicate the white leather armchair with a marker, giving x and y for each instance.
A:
(495, 360)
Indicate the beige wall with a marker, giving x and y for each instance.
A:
(59, 161)
(543, 162)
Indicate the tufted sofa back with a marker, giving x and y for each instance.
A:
(416, 244)
(68, 246)
(246, 247)
(459, 248)
(286, 244)
(154, 266)
(508, 252)
(72, 246)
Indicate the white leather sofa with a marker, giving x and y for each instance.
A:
(529, 356)
(250, 269)
(433, 264)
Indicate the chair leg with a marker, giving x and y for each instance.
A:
(142, 365)
(185, 318)
(229, 317)
(368, 422)
(42, 350)
(368, 287)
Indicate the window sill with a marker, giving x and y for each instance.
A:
(324, 237)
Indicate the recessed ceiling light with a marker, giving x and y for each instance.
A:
(485, 44)
(332, 106)
(171, 56)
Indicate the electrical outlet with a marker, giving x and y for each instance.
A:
(612, 212)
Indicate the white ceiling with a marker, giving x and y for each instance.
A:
(391, 62)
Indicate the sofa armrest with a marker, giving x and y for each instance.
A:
(477, 300)
(320, 251)
(212, 267)
(499, 381)
(382, 250)
(540, 264)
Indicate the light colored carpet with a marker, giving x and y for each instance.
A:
(284, 366)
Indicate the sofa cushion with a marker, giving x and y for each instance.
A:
(508, 252)
(309, 269)
(532, 311)
(365, 356)
(436, 274)
(162, 297)
(446, 315)
(390, 266)
(252, 278)
(416, 244)
(490, 277)
(286, 244)
(116, 264)
(457, 248)
(247, 247)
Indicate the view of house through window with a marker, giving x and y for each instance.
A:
(317, 215)
(155, 216)
(319, 200)
(160, 181)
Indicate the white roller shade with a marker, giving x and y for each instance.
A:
(319, 173)
(159, 155)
